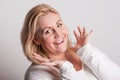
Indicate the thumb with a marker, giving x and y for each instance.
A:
(90, 33)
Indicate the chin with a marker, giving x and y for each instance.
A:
(62, 50)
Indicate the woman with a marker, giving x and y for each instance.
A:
(46, 43)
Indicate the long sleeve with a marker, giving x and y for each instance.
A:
(101, 65)
(67, 71)
(37, 72)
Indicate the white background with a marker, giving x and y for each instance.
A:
(103, 16)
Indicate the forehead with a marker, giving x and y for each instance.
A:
(48, 20)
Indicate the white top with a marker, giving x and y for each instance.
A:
(96, 66)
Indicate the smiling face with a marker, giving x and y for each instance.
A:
(52, 34)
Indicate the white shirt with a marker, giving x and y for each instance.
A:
(96, 66)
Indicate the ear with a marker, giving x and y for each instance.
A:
(37, 41)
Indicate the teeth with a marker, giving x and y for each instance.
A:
(59, 41)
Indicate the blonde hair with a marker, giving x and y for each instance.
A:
(29, 29)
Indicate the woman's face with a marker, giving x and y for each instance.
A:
(52, 34)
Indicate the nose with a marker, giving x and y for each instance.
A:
(57, 33)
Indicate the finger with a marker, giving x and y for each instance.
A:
(40, 58)
(80, 30)
(90, 33)
(76, 35)
(48, 63)
(37, 55)
(84, 31)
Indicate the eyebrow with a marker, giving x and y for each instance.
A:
(50, 27)
(58, 21)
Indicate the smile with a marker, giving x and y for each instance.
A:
(59, 42)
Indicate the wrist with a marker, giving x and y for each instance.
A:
(59, 64)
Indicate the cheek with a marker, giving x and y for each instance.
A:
(46, 43)
(47, 40)
(65, 34)
(65, 31)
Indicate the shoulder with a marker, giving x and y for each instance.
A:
(38, 72)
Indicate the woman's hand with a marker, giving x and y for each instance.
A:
(46, 61)
(82, 38)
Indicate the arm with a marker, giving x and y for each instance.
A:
(66, 69)
(100, 64)
(38, 72)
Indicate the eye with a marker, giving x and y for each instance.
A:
(47, 31)
(59, 25)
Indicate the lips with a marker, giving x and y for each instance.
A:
(59, 42)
